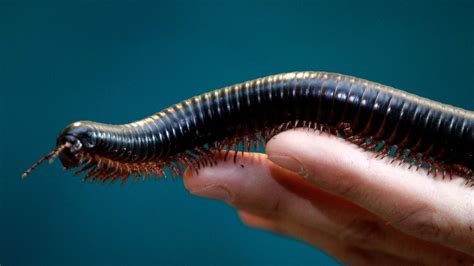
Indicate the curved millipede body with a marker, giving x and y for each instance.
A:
(424, 133)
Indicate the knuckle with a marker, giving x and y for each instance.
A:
(267, 206)
(276, 206)
(237, 201)
(303, 172)
(347, 188)
(427, 224)
(357, 256)
(340, 184)
(363, 232)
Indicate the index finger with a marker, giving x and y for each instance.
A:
(427, 207)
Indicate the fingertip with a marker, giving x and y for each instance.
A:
(228, 180)
(190, 179)
(207, 183)
(224, 171)
(309, 153)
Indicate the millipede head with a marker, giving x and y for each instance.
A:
(69, 148)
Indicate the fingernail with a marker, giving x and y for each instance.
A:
(214, 191)
(287, 162)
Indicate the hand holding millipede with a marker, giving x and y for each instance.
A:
(335, 196)
(416, 132)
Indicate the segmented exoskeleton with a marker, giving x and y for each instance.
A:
(414, 129)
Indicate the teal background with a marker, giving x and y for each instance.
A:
(116, 62)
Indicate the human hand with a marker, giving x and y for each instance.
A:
(333, 195)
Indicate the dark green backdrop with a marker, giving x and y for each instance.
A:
(116, 62)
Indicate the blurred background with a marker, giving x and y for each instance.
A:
(119, 61)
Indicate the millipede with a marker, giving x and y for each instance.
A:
(240, 118)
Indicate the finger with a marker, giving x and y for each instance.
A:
(426, 207)
(255, 184)
(324, 241)
(343, 252)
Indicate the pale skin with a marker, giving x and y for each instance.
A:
(331, 194)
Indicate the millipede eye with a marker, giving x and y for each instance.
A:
(76, 147)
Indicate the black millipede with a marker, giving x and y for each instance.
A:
(411, 129)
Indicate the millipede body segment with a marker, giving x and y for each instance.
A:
(412, 129)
